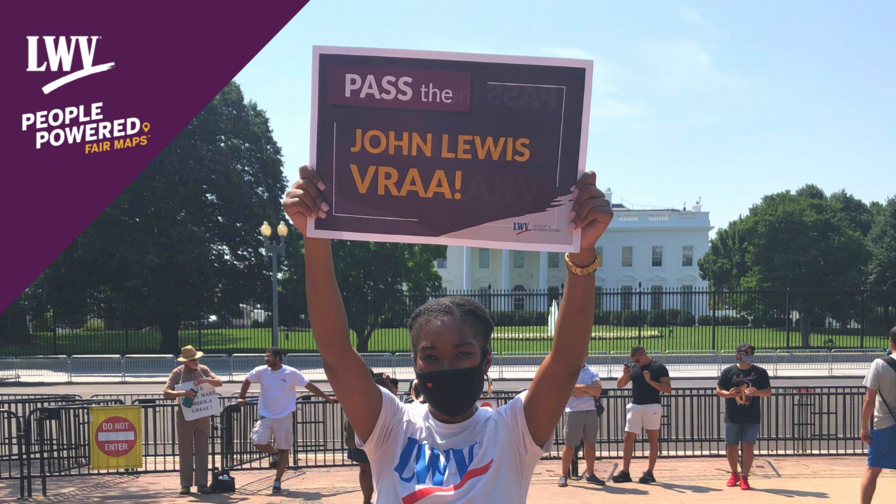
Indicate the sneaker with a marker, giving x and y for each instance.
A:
(276, 488)
(591, 478)
(562, 482)
(734, 480)
(622, 477)
(744, 484)
(204, 490)
(273, 463)
(647, 478)
(184, 491)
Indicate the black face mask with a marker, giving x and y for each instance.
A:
(452, 392)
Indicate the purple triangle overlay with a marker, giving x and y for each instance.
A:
(170, 60)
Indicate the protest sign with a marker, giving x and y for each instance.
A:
(205, 404)
(448, 148)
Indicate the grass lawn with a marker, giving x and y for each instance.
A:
(505, 339)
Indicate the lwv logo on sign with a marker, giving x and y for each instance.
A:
(60, 54)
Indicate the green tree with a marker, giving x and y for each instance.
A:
(882, 240)
(798, 241)
(858, 215)
(182, 239)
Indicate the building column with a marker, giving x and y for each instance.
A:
(505, 269)
(543, 278)
(468, 268)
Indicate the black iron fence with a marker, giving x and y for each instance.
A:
(53, 438)
(661, 319)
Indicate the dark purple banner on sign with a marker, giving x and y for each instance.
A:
(449, 148)
(398, 88)
(94, 91)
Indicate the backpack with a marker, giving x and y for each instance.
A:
(890, 361)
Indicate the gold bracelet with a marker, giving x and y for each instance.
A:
(588, 270)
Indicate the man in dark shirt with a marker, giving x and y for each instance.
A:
(741, 385)
(648, 379)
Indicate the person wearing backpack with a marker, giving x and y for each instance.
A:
(359, 456)
(582, 422)
(880, 404)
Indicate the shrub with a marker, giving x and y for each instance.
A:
(656, 318)
(686, 319)
(704, 320)
(94, 326)
(630, 319)
(602, 317)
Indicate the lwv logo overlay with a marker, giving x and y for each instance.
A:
(60, 53)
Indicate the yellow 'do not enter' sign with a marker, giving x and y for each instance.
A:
(115, 437)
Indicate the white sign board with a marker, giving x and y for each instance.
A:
(205, 404)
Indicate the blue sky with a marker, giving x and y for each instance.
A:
(727, 101)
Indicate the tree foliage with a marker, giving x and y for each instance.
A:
(182, 239)
(801, 241)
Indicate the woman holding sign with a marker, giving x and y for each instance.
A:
(192, 435)
(450, 446)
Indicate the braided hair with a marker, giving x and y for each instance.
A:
(464, 309)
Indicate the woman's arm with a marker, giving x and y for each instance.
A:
(346, 371)
(557, 375)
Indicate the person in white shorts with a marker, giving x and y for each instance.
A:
(276, 403)
(648, 378)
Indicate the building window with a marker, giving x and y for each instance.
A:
(553, 259)
(626, 298)
(483, 258)
(519, 301)
(442, 263)
(598, 298)
(687, 255)
(626, 257)
(656, 297)
(519, 259)
(657, 257)
(687, 298)
(599, 253)
(485, 297)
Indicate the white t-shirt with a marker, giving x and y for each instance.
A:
(881, 377)
(587, 376)
(487, 458)
(278, 390)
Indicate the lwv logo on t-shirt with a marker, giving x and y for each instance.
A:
(427, 466)
(61, 53)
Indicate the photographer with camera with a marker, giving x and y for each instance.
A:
(648, 378)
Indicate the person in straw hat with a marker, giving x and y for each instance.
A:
(192, 436)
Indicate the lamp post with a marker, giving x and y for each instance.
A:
(272, 249)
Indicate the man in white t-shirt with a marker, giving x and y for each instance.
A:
(276, 404)
(582, 424)
(880, 403)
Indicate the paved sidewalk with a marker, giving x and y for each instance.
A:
(775, 480)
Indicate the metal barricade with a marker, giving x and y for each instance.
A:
(706, 362)
(310, 365)
(379, 362)
(12, 448)
(97, 366)
(765, 359)
(8, 369)
(794, 362)
(218, 364)
(48, 367)
(143, 367)
(241, 364)
(847, 360)
(404, 365)
(518, 364)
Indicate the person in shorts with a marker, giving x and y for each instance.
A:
(880, 404)
(276, 404)
(741, 385)
(648, 378)
(582, 424)
(357, 455)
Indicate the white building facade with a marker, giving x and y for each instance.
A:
(652, 249)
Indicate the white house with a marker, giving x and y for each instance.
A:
(653, 248)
